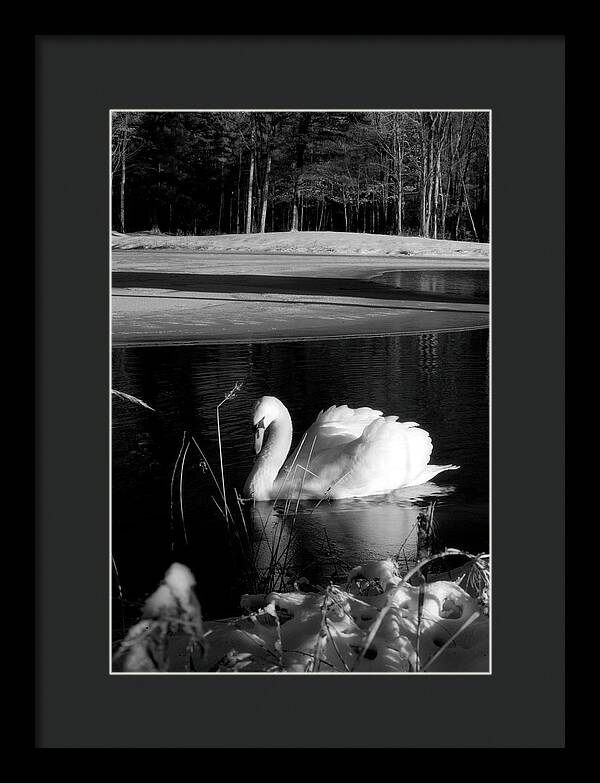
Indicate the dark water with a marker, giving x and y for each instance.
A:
(451, 285)
(439, 380)
(447, 285)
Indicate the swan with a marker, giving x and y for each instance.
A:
(346, 452)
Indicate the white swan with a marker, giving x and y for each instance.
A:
(345, 453)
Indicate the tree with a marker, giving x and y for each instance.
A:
(304, 120)
(126, 142)
(379, 172)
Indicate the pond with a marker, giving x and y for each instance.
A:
(452, 285)
(439, 380)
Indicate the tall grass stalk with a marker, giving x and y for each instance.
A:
(304, 472)
(291, 532)
(326, 494)
(181, 492)
(420, 600)
(172, 490)
(287, 478)
(229, 396)
(221, 462)
(131, 398)
(207, 463)
(120, 591)
(422, 563)
(314, 664)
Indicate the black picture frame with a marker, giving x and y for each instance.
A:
(78, 80)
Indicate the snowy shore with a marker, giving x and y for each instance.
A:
(280, 286)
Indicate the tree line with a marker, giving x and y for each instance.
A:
(406, 173)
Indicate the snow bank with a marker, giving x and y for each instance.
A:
(305, 242)
(376, 622)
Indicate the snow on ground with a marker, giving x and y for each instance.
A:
(375, 622)
(304, 242)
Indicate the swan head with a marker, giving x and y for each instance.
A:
(269, 415)
(265, 412)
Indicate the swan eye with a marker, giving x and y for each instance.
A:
(259, 431)
(259, 426)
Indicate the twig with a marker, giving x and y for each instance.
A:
(131, 398)
(445, 553)
(181, 492)
(207, 463)
(304, 474)
(221, 459)
(403, 544)
(229, 396)
(172, 485)
(120, 595)
(420, 601)
(314, 665)
(328, 490)
(287, 478)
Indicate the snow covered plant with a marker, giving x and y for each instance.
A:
(169, 635)
(376, 621)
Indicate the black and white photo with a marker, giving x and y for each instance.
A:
(300, 401)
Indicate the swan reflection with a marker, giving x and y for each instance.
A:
(321, 541)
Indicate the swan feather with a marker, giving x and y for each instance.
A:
(356, 452)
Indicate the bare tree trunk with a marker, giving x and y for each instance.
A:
(436, 194)
(303, 126)
(222, 198)
(462, 173)
(429, 134)
(265, 195)
(123, 170)
(320, 211)
(400, 160)
(374, 210)
(250, 186)
(430, 174)
(437, 183)
(238, 204)
(469, 210)
(358, 202)
(444, 203)
(424, 173)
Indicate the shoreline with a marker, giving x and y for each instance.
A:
(174, 343)
(165, 317)
(324, 243)
(181, 297)
(456, 257)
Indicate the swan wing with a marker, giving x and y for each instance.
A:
(387, 455)
(332, 429)
(359, 452)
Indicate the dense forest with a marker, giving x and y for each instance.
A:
(405, 173)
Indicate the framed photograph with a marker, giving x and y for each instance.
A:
(299, 468)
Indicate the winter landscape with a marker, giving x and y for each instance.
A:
(300, 392)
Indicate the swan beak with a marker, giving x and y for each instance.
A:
(259, 431)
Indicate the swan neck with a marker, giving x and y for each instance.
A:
(276, 446)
